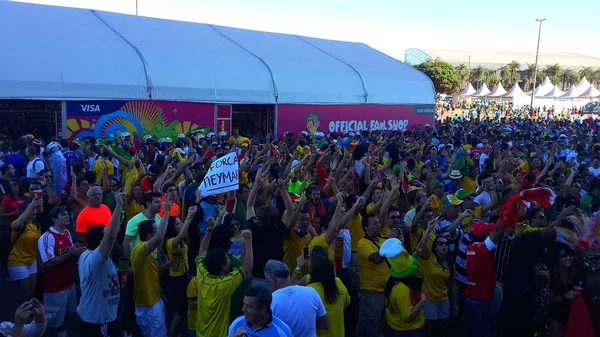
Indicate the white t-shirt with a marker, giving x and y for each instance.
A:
(34, 167)
(482, 158)
(100, 289)
(344, 234)
(595, 171)
(298, 307)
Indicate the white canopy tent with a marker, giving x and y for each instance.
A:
(60, 53)
(554, 93)
(571, 93)
(543, 89)
(591, 92)
(468, 91)
(498, 91)
(482, 91)
(582, 86)
(519, 98)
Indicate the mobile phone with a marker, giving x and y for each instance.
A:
(305, 252)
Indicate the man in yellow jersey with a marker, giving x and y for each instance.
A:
(149, 308)
(216, 285)
(374, 272)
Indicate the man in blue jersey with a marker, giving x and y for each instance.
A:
(258, 319)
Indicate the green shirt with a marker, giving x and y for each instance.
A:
(133, 225)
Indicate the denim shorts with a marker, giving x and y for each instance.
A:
(437, 310)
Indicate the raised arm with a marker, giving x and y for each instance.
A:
(152, 244)
(112, 231)
(186, 224)
(248, 253)
(27, 214)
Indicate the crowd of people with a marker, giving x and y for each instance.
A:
(473, 227)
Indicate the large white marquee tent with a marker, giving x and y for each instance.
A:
(59, 53)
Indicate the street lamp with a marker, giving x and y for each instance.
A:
(537, 54)
(136, 7)
(469, 68)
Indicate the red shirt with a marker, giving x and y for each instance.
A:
(92, 216)
(145, 184)
(10, 206)
(475, 154)
(175, 210)
(52, 244)
(481, 270)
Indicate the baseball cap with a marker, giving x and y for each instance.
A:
(56, 211)
(481, 228)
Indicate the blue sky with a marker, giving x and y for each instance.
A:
(393, 26)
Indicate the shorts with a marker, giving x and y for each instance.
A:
(177, 294)
(436, 310)
(152, 320)
(22, 272)
(56, 306)
(109, 329)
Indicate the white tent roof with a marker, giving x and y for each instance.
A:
(544, 88)
(571, 93)
(498, 91)
(582, 86)
(591, 92)
(482, 91)
(515, 91)
(468, 91)
(77, 54)
(555, 92)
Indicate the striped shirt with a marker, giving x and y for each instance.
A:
(502, 255)
(460, 260)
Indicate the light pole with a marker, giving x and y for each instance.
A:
(537, 54)
(136, 7)
(469, 69)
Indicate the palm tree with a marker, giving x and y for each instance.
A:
(596, 77)
(554, 73)
(510, 73)
(492, 80)
(569, 77)
(587, 72)
(529, 75)
(477, 76)
(463, 71)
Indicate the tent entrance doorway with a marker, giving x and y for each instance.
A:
(40, 118)
(254, 121)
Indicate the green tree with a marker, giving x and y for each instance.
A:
(596, 77)
(587, 72)
(463, 71)
(445, 78)
(510, 73)
(529, 77)
(477, 76)
(492, 80)
(554, 73)
(568, 78)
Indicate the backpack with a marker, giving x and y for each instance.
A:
(5, 243)
(35, 161)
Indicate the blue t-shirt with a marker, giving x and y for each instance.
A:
(100, 289)
(18, 162)
(274, 329)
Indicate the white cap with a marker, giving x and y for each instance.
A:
(222, 134)
(125, 134)
(181, 135)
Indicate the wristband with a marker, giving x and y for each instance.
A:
(298, 270)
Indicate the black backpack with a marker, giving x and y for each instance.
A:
(5, 242)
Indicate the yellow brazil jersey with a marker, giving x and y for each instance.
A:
(356, 230)
(192, 294)
(335, 311)
(234, 139)
(398, 308)
(133, 208)
(214, 304)
(373, 276)
(146, 286)
(477, 213)
(469, 184)
(435, 279)
(292, 248)
(370, 208)
(321, 242)
(178, 258)
(25, 248)
(128, 177)
(110, 169)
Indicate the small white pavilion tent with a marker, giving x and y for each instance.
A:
(571, 93)
(498, 91)
(554, 93)
(543, 89)
(582, 86)
(519, 98)
(591, 92)
(483, 91)
(468, 91)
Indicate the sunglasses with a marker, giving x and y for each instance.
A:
(11, 185)
(562, 256)
(48, 177)
(443, 243)
(395, 217)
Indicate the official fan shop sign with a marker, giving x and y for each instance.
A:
(223, 176)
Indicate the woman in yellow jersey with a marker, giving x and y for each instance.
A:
(177, 249)
(23, 250)
(404, 299)
(437, 270)
(135, 202)
(333, 293)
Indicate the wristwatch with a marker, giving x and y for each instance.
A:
(298, 270)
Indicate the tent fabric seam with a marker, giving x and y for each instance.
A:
(366, 93)
(136, 49)
(273, 79)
